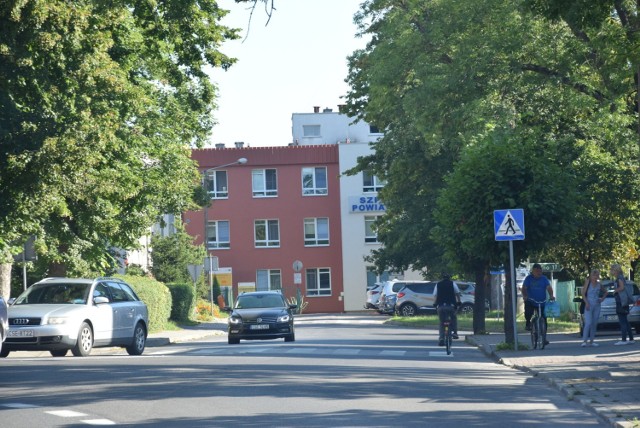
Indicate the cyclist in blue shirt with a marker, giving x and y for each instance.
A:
(535, 287)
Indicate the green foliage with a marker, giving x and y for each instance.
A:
(135, 270)
(514, 107)
(172, 254)
(90, 153)
(184, 299)
(156, 296)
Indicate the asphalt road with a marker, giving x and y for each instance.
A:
(335, 375)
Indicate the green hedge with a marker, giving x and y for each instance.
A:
(184, 301)
(155, 295)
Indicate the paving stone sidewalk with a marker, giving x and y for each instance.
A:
(605, 379)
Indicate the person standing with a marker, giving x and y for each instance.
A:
(621, 310)
(447, 296)
(534, 289)
(593, 293)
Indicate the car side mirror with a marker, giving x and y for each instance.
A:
(226, 309)
(293, 306)
(100, 299)
(577, 300)
(11, 300)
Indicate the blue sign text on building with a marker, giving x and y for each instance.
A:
(362, 204)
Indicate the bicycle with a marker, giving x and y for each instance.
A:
(538, 326)
(448, 333)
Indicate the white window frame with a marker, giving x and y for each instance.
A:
(314, 235)
(218, 242)
(310, 181)
(265, 227)
(371, 183)
(261, 185)
(370, 236)
(217, 187)
(317, 279)
(309, 131)
(268, 280)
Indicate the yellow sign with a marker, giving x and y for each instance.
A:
(224, 276)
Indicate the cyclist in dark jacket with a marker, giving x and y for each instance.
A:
(447, 296)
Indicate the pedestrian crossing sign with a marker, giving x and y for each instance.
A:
(509, 224)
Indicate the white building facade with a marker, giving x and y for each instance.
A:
(359, 204)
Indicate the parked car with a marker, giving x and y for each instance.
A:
(417, 298)
(62, 314)
(4, 321)
(261, 315)
(608, 317)
(373, 295)
(387, 302)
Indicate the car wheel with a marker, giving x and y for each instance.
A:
(466, 308)
(139, 340)
(233, 341)
(84, 344)
(290, 337)
(408, 310)
(58, 352)
(4, 352)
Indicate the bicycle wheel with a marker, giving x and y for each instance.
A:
(448, 339)
(534, 333)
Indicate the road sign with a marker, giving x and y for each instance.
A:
(509, 224)
(195, 271)
(210, 263)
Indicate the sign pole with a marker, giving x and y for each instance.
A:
(514, 297)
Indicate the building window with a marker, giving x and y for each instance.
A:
(314, 181)
(267, 233)
(370, 235)
(310, 130)
(264, 182)
(216, 184)
(218, 234)
(316, 231)
(374, 130)
(268, 279)
(371, 183)
(319, 282)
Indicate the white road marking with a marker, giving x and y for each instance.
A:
(66, 413)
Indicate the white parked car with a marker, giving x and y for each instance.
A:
(62, 314)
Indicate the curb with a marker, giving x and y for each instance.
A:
(603, 412)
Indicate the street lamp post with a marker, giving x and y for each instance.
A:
(240, 161)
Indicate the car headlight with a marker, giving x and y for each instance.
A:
(57, 320)
(284, 318)
(235, 320)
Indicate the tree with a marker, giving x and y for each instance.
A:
(444, 79)
(100, 105)
(172, 254)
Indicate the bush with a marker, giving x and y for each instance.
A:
(155, 295)
(183, 297)
(204, 311)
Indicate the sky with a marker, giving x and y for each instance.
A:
(296, 62)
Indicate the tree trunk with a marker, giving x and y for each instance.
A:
(5, 280)
(479, 325)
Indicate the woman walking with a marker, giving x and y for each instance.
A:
(593, 293)
(621, 310)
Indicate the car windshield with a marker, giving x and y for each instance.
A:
(260, 301)
(60, 293)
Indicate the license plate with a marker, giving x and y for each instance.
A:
(610, 317)
(260, 327)
(20, 333)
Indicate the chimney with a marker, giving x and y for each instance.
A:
(219, 145)
(316, 109)
(327, 110)
(239, 144)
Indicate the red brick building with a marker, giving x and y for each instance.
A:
(282, 205)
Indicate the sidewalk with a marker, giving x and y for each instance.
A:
(217, 327)
(605, 379)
